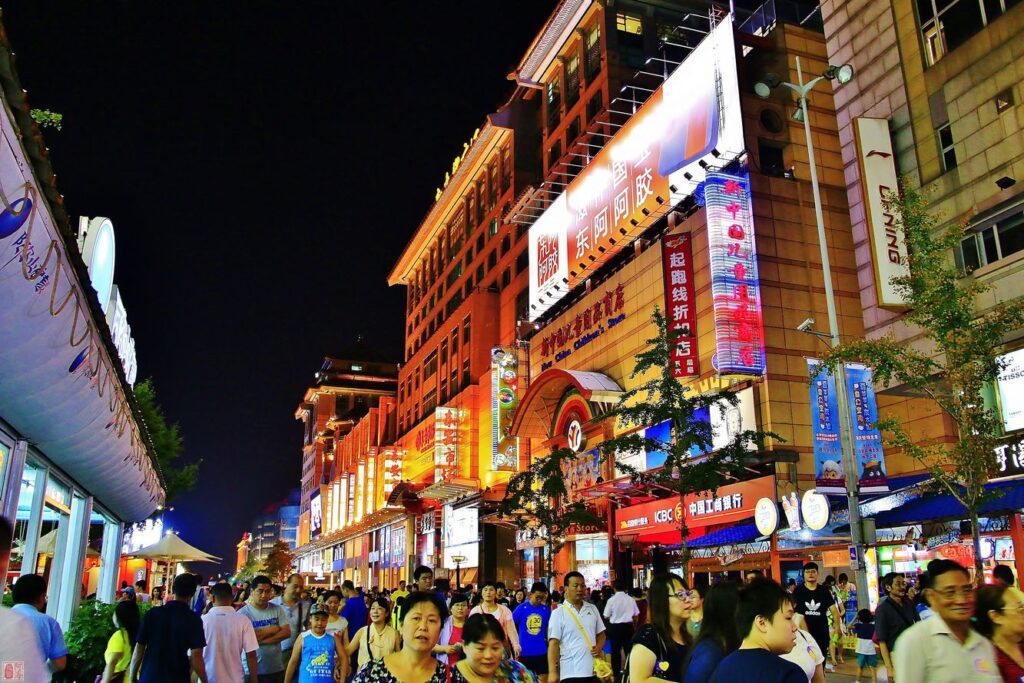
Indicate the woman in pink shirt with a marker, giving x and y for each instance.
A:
(489, 605)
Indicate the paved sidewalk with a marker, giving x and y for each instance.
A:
(847, 672)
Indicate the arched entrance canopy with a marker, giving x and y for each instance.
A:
(536, 411)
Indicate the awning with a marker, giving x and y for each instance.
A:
(450, 488)
(945, 507)
(536, 411)
(741, 533)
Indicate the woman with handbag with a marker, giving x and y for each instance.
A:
(119, 648)
(659, 648)
(377, 639)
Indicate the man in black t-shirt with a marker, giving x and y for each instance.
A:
(165, 638)
(814, 602)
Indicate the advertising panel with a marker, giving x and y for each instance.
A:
(878, 175)
(867, 440)
(681, 304)
(651, 163)
(729, 421)
(398, 545)
(1011, 390)
(391, 471)
(316, 515)
(581, 474)
(735, 288)
(504, 399)
(461, 536)
(448, 423)
(830, 477)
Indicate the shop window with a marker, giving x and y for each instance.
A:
(946, 148)
(992, 243)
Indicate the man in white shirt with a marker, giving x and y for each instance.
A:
(621, 612)
(575, 635)
(945, 649)
(229, 637)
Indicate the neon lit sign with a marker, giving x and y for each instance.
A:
(680, 304)
(447, 425)
(735, 288)
(504, 399)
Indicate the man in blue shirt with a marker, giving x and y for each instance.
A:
(531, 620)
(30, 602)
(355, 608)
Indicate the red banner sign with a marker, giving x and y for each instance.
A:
(680, 305)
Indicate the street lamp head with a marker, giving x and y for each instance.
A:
(764, 87)
(842, 74)
(798, 113)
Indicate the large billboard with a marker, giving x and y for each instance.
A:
(650, 164)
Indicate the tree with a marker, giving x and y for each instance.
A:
(47, 119)
(167, 443)
(536, 499)
(248, 570)
(691, 467)
(953, 362)
(278, 564)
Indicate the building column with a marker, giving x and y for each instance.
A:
(110, 561)
(71, 572)
(35, 523)
(57, 562)
(10, 489)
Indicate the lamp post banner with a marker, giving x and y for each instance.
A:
(867, 440)
(830, 477)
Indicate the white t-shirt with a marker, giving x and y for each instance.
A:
(229, 635)
(576, 660)
(621, 608)
(20, 659)
(806, 654)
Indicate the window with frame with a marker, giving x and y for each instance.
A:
(455, 340)
(592, 47)
(554, 154)
(466, 322)
(947, 149)
(444, 352)
(522, 261)
(492, 259)
(506, 278)
(506, 168)
(947, 24)
(991, 243)
(429, 400)
(492, 194)
(572, 80)
(630, 34)
(465, 371)
(492, 228)
(553, 102)
(506, 244)
(594, 105)
(430, 364)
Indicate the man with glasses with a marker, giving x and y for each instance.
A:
(895, 614)
(944, 648)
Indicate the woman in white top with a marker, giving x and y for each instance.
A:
(337, 625)
(489, 605)
(379, 638)
(806, 654)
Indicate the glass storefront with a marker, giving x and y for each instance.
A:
(592, 559)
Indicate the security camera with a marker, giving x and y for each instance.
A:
(806, 325)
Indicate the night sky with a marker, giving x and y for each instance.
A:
(263, 164)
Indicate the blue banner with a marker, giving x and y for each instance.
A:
(828, 456)
(867, 440)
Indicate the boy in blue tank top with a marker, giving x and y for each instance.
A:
(317, 655)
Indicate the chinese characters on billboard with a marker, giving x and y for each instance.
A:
(504, 399)
(391, 474)
(736, 292)
(651, 163)
(830, 477)
(867, 440)
(680, 305)
(447, 437)
(589, 324)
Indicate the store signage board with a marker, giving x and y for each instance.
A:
(98, 247)
(1011, 390)
(766, 516)
(878, 180)
(694, 116)
(680, 304)
(735, 287)
(1009, 458)
(461, 536)
(587, 326)
(391, 474)
(731, 503)
(448, 425)
(504, 399)
(815, 510)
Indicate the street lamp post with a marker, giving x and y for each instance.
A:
(458, 560)
(842, 74)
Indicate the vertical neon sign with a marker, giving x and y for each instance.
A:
(735, 288)
(680, 304)
(504, 399)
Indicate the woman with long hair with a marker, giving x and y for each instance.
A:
(489, 605)
(999, 616)
(659, 648)
(414, 663)
(717, 636)
(378, 638)
(118, 654)
(484, 661)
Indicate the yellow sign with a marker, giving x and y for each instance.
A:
(456, 162)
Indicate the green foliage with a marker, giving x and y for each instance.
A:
(279, 562)
(167, 441)
(952, 360)
(8, 600)
(47, 119)
(86, 638)
(248, 570)
(536, 500)
(663, 397)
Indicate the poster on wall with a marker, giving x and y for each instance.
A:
(1010, 383)
(867, 440)
(735, 288)
(461, 536)
(728, 421)
(504, 399)
(581, 474)
(652, 162)
(316, 515)
(680, 304)
(398, 545)
(830, 477)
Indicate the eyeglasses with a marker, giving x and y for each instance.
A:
(682, 595)
(950, 593)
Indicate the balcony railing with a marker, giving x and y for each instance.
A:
(804, 13)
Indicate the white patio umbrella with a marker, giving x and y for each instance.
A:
(46, 544)
(171, 549)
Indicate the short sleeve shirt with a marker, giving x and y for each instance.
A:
(671, 656)
(929, 652)
(377, 672)
(815, 606)
(119, 645)
(757, 666)
(805, 653)
(17, 651)
(48, 633)
(576, 660)
(268, 657)
(532, 626)
(169, 632)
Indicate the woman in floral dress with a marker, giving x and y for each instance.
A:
(414, 663)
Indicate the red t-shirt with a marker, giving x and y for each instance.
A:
(455, 638)
(1010, 670)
